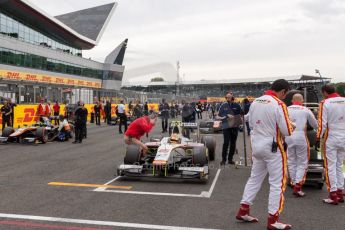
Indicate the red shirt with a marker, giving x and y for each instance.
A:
(41, 110)
(139, 127)
(56, 108)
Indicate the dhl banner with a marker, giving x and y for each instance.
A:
(14, 75)
(222, 99)
(216, 99)
(27, 114)
(153, 107)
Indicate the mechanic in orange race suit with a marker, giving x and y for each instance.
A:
(41, 109)
(138, 128)
(269, 120)
(331, 131)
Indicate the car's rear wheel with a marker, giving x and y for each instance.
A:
(210, 143)
(200, 157)
(7, 131)
(133, 154)
(41, 134)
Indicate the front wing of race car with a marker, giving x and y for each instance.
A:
(180, 172)
(26, 140)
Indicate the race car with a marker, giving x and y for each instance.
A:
(40, 132)
(210, 126)
(171, 157)
(24, 135)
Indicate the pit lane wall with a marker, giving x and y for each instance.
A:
(27, 114)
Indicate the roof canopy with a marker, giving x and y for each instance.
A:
(80, 29)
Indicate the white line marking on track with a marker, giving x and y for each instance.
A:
(209, 193)
(203, 194)
(97, 222)
(109, 182)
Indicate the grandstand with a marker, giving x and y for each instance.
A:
(212, 88)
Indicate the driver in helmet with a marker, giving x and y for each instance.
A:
(64, 128)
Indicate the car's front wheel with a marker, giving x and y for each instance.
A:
(199, 156)
(132, 155)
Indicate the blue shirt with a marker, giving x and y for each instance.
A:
(228, 108)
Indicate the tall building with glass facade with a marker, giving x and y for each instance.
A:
(41, 55)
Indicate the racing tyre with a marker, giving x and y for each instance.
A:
(156, 138)
(41, 134)
(313, 155)
(200, 156)
(7, 132)
(132, 155)
(210, 143)
(205, 127)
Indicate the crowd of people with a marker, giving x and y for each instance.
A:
(279, 142)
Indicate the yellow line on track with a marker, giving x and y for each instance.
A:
(89, 185)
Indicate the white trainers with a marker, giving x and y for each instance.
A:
(330, 201)
(299, 194)
(278, 225)
(247, 218)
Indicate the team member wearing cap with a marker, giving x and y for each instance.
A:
(298, 145)
(138, 128)
(332, 132)
(269, 120)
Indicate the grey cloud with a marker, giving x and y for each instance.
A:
(323, 9)
(252, 35)
(223, 37)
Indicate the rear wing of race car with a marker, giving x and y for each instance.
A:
(188, 125)
(311, 105)
(183, 128)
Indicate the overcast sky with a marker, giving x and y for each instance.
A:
(222, 39)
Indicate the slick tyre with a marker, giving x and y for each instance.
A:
(7, 132)
(132, 155)
(41, 135)
(200, 157)
(210, 143)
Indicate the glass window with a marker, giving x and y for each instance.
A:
(18, 58)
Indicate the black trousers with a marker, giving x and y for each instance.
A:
(98, 118)
(12, 119)
(56, 118)
(5, 121)
(108, 115)
(80, 131)
(164, 124)
(199, 114)
(186, 132)
(230, 138)
(248, 128)
(123, 121)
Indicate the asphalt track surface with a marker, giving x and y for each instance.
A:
(28, 202)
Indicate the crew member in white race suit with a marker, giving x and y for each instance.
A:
(298, 151)
(332, 132)
(269, 120)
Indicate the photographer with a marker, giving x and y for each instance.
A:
(230, 114)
